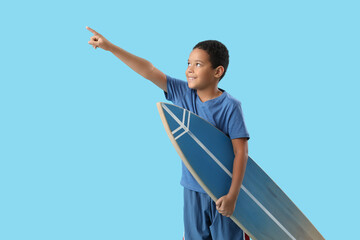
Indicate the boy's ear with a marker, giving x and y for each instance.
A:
(219, 71)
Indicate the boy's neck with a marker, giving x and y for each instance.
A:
(208, 94)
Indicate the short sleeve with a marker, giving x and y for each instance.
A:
(236, 126)
(176, 88)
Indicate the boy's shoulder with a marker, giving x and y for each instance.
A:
(230, 101)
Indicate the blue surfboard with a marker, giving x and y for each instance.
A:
(262, 210)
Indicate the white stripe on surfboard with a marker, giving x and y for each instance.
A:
(181, 134)
(175, 131)
(180, 127)
(223, 167)
(188, 125)
(184, 113)
(186, 129)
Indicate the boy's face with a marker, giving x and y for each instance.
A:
(199, 73)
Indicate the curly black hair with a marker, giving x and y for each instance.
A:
(219, 55)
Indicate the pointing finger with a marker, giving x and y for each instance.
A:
(92, 30)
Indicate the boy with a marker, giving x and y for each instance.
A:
(207, 64)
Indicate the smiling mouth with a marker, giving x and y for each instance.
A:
(191, 78)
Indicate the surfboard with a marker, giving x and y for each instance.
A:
(262, 209)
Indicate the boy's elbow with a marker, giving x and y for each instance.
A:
(149, 72)
(240, 146)
(157, 77)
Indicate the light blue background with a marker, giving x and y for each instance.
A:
(84, 155)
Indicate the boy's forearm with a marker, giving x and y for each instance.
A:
(139, 65)
(239, 167)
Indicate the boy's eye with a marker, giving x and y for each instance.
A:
(197, 64)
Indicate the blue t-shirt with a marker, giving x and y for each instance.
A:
(224, 112)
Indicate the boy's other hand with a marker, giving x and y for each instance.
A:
(98, 40)
(226, 205)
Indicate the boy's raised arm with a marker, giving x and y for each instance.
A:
(139, 65)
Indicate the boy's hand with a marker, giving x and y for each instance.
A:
(226, 205)
(98, 40)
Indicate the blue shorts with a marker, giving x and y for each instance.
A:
(203, 222)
